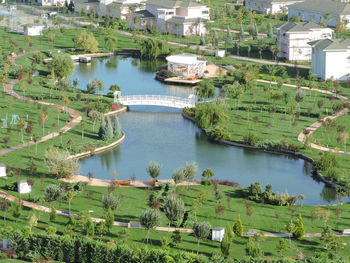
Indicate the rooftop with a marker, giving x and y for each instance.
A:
(181, 20)
(174, 3)
(187, 59)
(300, 26)
(323, 6)
(331, 44)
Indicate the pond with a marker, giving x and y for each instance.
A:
(163, 135)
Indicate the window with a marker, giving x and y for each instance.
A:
(205, 12)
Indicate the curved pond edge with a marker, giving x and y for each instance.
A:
(103, 148)
(98, 150)
(316, 174)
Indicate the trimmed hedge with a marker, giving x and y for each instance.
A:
(83, 250)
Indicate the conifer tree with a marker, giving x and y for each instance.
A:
(238, 227)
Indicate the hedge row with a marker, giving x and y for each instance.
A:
(33, 247)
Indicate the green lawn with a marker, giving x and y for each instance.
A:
(17, 111)
(264, 217)
(334, 134)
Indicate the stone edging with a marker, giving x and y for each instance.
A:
(98, 150)
(316, 174)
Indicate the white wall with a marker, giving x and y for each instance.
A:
(2, 171)
(294, 45)
(33, 30)
(337, 65)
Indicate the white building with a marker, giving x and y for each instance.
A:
(33, 30)
(324, 11)
(269, 6)
(52, 2)
(186, 65)
(331, 58)
(217, 234)
(177, 17)
(23, 187)
(109, 8)
(2, 170)
(293, 39)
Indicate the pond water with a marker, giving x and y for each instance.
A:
(163, 135)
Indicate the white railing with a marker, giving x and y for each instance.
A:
(157, 100)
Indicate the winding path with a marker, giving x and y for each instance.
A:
(313, 127)
(74, 115)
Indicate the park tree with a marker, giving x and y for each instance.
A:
(241, 33)
(299, 230)
(16, 210)
(178, 176)
(61, 66)
(205, 90)
(201, 231)
(53, 215)
(209, 114)
(189, 170)
(226, 241)
(60, 164)
(208, 173)
(86, 42)
(94, 86)
(329, 240)
(4, 206)
(95, 116)
(174, 209)
(269, 30)
(238, 227)
(52, 193)
(111, 42)
(109, 219)
(111, 201)
(89, 227)
(282, 246)
(69, 197)
(153, 169)
(253, 249)
(150, 218)
(117, 131)
(106, 132)
(152, 48)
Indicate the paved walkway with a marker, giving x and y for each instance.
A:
(74, 115)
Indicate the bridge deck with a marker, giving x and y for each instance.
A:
(156, 100)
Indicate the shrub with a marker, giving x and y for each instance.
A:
(52, 193)
(219, 133)
(326, 161)
(111, 201)
(251, 139)
(115, 107)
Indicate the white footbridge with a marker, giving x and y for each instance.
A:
(156, 100)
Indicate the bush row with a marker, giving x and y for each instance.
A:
(34, 247)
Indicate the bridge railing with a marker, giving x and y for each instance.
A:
(160, 98)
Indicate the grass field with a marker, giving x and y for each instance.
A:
(264, 217)
(334, 134)
(30, 113)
